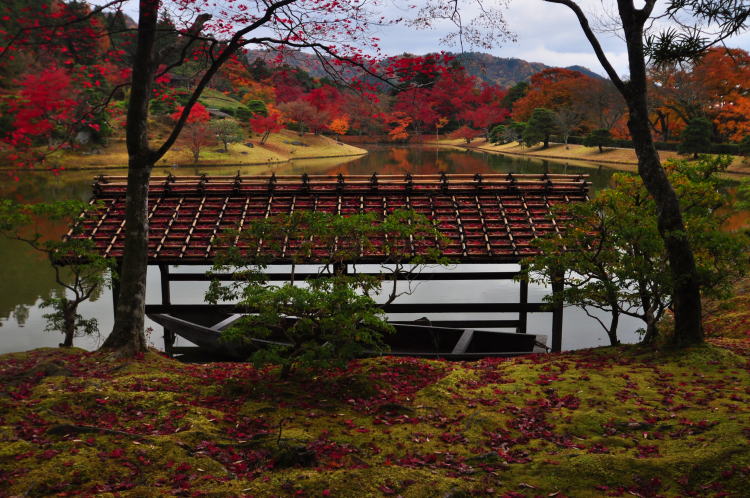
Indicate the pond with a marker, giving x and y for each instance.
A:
(26, 277)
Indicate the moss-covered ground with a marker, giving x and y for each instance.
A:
(623, 421)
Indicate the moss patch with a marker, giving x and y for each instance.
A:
(610, 421)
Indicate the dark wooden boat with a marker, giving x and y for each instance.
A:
(410, 339)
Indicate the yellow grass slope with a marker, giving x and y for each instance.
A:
(279, 148)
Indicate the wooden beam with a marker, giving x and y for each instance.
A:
(391, 308)
(471, 324)
(281, 276)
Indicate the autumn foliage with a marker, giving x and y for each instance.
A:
(265, 125)
(196, 134)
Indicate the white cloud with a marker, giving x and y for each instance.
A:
(547, 33)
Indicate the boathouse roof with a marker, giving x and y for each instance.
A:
(491, 218)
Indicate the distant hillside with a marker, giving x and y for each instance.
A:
(506, 72)
(501, 71)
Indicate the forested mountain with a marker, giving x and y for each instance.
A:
(506, 72)
(503, 72)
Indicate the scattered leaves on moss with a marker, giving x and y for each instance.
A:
(618, 421)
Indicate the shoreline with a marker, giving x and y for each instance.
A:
(590, 162)
(190, 165)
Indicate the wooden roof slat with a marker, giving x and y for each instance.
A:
(196, 217)
(175, 214)
(241, 224)
(507, 225)
(286, 236)
(112, 241)
(461, 232)
(217, 225)
(412, 249)
(488, 246)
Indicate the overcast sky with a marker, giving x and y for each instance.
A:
(545, 32)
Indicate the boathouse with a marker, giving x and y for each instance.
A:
(486, 219)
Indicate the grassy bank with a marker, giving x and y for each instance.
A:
(279, 148)
(605, 422)
(624, 159)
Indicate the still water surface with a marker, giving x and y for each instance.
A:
(25, 277)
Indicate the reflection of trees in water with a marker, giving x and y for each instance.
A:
(424, 160)
(21, 314)
(26, 275)
(415, 160)
(45, 186)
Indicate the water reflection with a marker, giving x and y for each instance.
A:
(425, 160)
(26, 278)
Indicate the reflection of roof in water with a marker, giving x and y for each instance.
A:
(486, 218)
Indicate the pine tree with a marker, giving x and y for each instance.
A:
(696, 137)
(539, 128)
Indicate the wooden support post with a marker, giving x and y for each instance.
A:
(558, 285)
(116, 285)
(166, 299)
(523, 301)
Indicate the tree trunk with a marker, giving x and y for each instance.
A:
(652, 331)
(613, 324)
(686, 289)
(127, 337)
(615, 320)
(69, 324)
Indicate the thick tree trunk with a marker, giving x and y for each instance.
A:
(686, 288)
(127, 337)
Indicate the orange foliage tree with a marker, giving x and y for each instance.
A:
(716, 86)
(550, 89)
(399, 122)
(339, 125)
